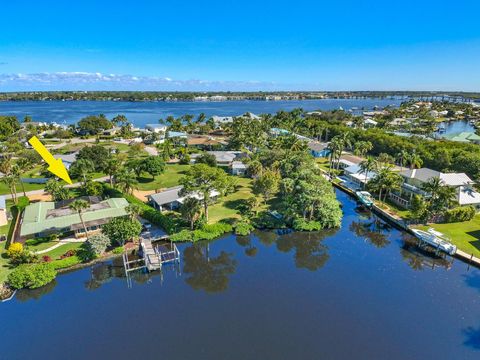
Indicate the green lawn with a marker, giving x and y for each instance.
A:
(42, 246)
(465, 235)
(226, 208)
(169, 178)
(56, 253)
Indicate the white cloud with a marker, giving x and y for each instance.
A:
(97, 81)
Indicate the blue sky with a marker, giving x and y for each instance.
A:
(240, 45)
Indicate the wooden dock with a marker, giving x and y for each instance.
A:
(150, 256)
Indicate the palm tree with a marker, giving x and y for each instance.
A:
(415, 161)
(80, 206)
(126, 180)
(366, 166)
(83, 168)
(385, 181)
(11, 181)
(133, 210)
(402, 158)
(335, 148)
(190, 210)
(22, 165)
(362, 147)
(112, 166)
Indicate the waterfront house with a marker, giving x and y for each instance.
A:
(413, 180)
(356, 179)
(156, 128)
(318, 149)
(466, 137)
(3, 211)
(44, 218)
(369, 123)
(219, 121)
(172, 198)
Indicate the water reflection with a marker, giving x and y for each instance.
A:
(472, 337)
(35, 294)
(420, 259)
(373, 230)
(310, 252)
(207, 273)
(246, 242)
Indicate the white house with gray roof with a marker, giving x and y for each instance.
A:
(172, 198)
(415, 178)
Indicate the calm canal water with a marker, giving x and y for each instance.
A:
(356, 293)
(142, 113)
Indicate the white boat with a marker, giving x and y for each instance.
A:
(436, 239)
(365, 198)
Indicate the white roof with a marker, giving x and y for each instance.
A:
(222, 119)
(468, 196)
(238, 165)
(371, 122)
(455, 179)
(355, 172)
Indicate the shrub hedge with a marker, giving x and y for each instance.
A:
(31, 276)
(459, 214)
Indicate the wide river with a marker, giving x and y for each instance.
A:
(142, 113)
(360, 292)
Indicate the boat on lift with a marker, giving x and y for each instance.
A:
(365, 198)
(436, 239)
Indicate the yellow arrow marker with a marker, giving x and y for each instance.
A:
(56, 166)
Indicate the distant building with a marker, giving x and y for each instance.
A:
(318, 149)
(221, 120)
(238, 168)
(3, 211)
(156, 128)
(463, 137)
(44, 218)
(176, 134)
(172, 198)
(67, 159)
(223, 158)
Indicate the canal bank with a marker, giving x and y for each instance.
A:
(401, 224)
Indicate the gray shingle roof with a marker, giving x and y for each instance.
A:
(167, 196)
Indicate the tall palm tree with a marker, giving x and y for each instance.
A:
(11, 182)
(23, 165)
(361, 148)
(402, 158)
(126, 180)
(80, 206)
(190, 210)
(366, 166)
(385, 181)
(415, 161)
(112, 166)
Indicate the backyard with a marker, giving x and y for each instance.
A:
(465, 235)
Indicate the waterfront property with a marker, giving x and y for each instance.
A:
(413, 180)
(156, 128)
(206, 142)
(356, 177)
(172, 198)
(44, 218)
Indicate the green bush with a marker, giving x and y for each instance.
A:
(65, 262)
(206, 232)
(305, 225)
(243, 228)
(32, 276)
(459, 214)
(118, 250)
